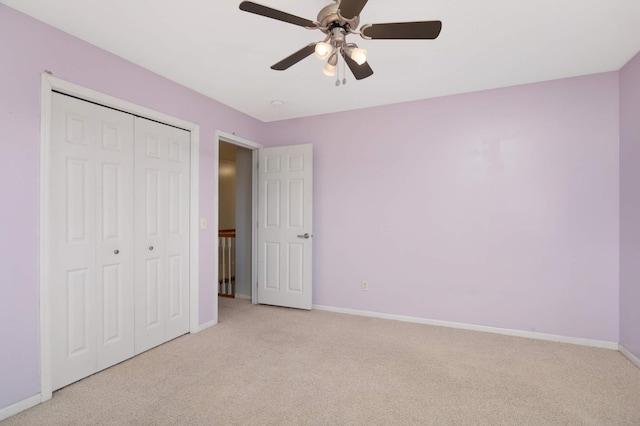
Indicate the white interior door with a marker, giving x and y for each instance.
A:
(91, 246)
(162, 233)
(285, 226)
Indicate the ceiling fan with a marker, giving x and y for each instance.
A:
(337, 21)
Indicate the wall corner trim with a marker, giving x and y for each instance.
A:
(631, 357)
(472, 327)
(16, 408)
(205, 326)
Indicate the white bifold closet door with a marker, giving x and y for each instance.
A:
(119, 185)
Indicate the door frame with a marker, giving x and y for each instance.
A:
(48, 85)
(254, 147)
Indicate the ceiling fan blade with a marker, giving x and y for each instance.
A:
(258, 9)
(349, 9)
(425, 30)
(359, 71)
(295, 58)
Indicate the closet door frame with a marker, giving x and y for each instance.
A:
(48, 85)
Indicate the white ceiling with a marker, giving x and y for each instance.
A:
(214, 48)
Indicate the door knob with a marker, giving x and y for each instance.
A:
(116, 251)
(305, 236)
(150, 248)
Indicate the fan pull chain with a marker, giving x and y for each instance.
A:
(344, 72)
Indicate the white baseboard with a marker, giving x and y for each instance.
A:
(634, 359)
(14, 409)
(206, 325)
(505, 331)
(242, 296)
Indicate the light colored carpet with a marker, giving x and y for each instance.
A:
(264, 365)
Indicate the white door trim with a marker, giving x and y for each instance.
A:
(48, 85)
(254, 147)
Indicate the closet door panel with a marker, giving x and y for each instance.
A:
(178, 170)
(115, 238)
(162, 233)
(91, 309)
(150, 159)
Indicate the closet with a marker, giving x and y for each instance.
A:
(119, 245)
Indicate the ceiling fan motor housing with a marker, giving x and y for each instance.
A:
(329, 18)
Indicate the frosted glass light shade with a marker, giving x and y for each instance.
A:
(323, 50)
(359, 55)
(329, 70)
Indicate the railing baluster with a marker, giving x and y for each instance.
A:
(224, 243)
(229, 266)
(226, 262)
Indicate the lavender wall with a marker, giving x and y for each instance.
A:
(497, 208)
(630, 206)
(27, 47)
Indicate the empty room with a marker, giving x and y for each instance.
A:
(434, 217)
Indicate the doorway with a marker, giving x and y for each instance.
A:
(235, 204)
(237, 199)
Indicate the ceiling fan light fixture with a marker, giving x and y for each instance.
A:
(323, 50)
